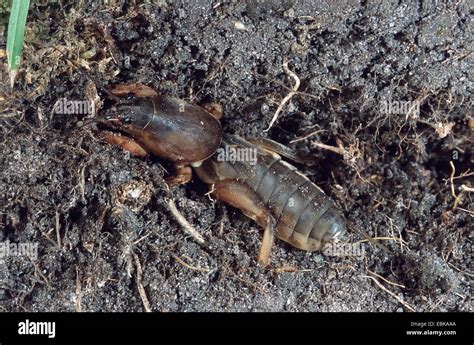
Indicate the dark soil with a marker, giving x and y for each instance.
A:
(62, 187)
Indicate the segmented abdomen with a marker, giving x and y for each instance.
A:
(305, 217)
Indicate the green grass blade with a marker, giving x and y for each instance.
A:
(16, 33)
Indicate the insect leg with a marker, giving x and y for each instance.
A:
(267, 242)
(183, 175)
(124, 142)
(282, 150)
(135, 89)
(241, 196)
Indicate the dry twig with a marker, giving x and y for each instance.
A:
(141, 289)
(382, 238)
(451, 179)
(339, 150)
(78, 290)
(58, 228)
(188, 228)
(295, 88)
(38, 271)
(307, 136)
(194, 268)
(399, 299)
(385, 280)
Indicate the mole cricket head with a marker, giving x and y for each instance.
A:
(131, 119)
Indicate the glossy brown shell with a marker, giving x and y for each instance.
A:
(173, 129)
(182, 132)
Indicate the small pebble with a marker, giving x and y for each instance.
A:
(318, 258)
(240, 26)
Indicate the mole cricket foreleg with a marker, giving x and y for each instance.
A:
(241, 196)
(183, 172)
(135, 89)
(182, 175)
(124, 142)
